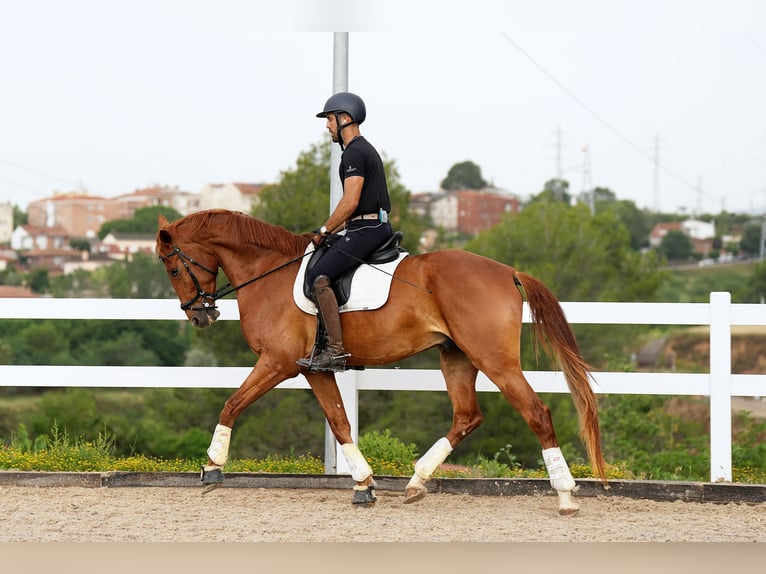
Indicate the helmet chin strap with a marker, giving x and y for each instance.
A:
(339, 129)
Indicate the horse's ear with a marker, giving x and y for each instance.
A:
(164, 237)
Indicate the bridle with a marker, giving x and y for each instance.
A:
(208, 298)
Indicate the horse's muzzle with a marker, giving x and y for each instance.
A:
(204, 317)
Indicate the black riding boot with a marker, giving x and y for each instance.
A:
(333, 357)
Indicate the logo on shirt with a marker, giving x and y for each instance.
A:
(350, 169)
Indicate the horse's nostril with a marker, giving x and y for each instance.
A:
(195, 322)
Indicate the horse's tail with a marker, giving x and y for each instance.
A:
(552, 331)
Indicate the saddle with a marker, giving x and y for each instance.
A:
(388, 251)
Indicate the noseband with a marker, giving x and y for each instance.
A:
(208, 299)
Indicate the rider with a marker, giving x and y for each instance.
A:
(362, 212)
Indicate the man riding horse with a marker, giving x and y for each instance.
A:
(360, 218)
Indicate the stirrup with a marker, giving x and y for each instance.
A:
(324, 362)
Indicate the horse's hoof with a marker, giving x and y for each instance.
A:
(567, 506)
(212, 477)
(412, 494)
(364, 497)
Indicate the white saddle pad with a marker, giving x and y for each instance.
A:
(369, 288)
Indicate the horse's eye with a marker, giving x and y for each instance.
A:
(174, 273)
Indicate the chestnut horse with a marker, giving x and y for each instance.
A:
(468, 306)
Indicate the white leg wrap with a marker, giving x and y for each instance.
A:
(431, 460)
(219, 446)
(558, 471)
(360, 470)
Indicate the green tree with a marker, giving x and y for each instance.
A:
(554, 190)
(676, 246)
(140, 278)
(751, 240)
(464, 175)
(19, 216)
(38, 280)
(300, 201)
(755, 288)
(144, 221)
(634, 220)
(579, 256)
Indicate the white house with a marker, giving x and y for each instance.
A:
(233, 196)
(697, 229)
(31, 237)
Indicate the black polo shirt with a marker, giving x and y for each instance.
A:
(361, 159)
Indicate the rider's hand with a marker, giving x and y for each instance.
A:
(319, 238)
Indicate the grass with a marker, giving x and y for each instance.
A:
(386, 454)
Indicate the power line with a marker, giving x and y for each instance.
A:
(603, 121)
(757, 43)
(37, 172)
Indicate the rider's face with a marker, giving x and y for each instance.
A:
(332, 127)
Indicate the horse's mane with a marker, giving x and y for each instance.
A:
(243, 228)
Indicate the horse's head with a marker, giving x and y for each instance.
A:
(192, 274)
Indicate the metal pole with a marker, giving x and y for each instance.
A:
(339, 84)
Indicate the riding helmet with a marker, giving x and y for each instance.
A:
(345, 102)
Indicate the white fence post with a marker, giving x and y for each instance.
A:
(720, 387)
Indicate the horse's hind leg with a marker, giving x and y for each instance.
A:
(518, 392)
(460, 376)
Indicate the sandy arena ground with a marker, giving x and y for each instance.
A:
(151, 514)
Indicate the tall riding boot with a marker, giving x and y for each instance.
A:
(333, 357)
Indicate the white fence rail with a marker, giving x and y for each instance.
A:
(718, 383)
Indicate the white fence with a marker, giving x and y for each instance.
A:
(718, 382)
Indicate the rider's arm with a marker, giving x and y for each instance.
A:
(352, 191)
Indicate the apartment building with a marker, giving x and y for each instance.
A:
(80, 214)
(464, 211)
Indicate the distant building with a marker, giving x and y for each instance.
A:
(7, 257)
(182, 201)
(52, 259)
(464, 211)
(123, 246)
(16, 291)
(82, 215)
(480, 210)
(6, 222)
(701, 233)
(29, 237)
(232, 196)
(78, 213)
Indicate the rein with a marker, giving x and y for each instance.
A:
(209, 299)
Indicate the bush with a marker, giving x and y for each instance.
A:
(386, 454)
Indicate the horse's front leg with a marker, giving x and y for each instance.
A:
(265, 376)
(327, 393)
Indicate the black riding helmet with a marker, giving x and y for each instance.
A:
(344, 102)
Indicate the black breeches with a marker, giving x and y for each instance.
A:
(361, 239)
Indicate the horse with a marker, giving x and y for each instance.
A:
(466, 305)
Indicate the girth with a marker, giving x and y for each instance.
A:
(386, 252)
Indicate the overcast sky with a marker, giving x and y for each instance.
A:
(115, 96)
